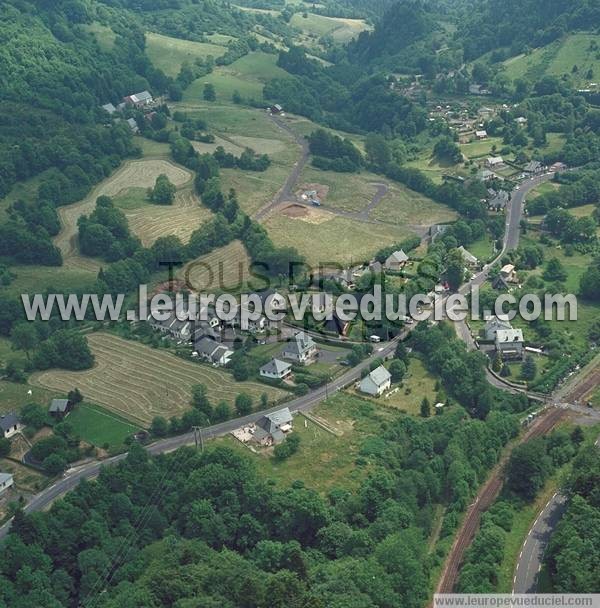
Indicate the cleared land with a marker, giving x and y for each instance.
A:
(324, 237)
(14, 396)
(139, 382)
(149, 221)
(247, 76)
(133, 174)
(223, 269)
(168, 54)
(315, 26)
(559, 58)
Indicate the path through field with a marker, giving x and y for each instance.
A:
(132, 174)
(140, 382)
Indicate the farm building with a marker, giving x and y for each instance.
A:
(6, 482)
(108, 107)
(301, 348)
(396, 261)
(59, 408)
(9, 425)
(509, 343)
(481, 134)
(133, 125)
(276, 369)
(139, 100)
(377, 382)
(272, 428)
(276, 109)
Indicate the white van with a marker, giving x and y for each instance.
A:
(375, 339)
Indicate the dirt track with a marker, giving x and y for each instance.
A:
(485, 498)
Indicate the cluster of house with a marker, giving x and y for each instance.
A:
(9, 426)
(270, 429)
(300, 350)
(508, 341)
(209, 335)
(142, 100)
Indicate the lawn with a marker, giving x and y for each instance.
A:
(55, 279)
(324, 460)
(417, 384)
(479, 149)
(483, 249)
(341, 30)
(168, 54)
(139, 382)
(99, 427)
(324, 237)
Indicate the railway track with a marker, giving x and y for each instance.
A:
(484, 501)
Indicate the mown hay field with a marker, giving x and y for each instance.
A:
(139, 382)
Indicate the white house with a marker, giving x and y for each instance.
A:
(481, 134)
(396, 261)
(276, 370)
(509, 273)
(301, 348)
(377, 382)
(493, 324)
(9, 425)
(6, 481)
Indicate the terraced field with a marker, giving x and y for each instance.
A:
(133, 174)
(223, 269)
(149, 221)
(140, 382)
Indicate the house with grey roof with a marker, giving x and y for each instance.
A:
(6, 482)
(495, 323)
(59, 408)
(9, 425)
(213, 352)
(108, 107)
(509, 343)
(276, 370)
(396, 261)
(377, 382)
(498, 199)
(133, 125)
(300, 349)
(139, 100)
(272, 428)
(534, 167)
(468, 258)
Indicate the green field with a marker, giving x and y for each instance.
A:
(14, 396)
(100, 427)
(559, 58)
(103, 34)
(479, 149)
(315, 26)
(168, 54)
(248, 75)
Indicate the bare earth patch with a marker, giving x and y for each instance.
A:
(309, 215)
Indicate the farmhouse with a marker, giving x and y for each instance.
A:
(272, 428)
(301, 349)
(9, 425)
(276, 109)
(213, 352)
(493, 324)
(377, 382)
(59, 408)
(139, 100)
(509, 343)
(6, 482)
(481, 134)
(396, 261)
(494, 162)
(469, 259)
(276, 370)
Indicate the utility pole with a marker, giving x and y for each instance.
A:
(198, 437)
